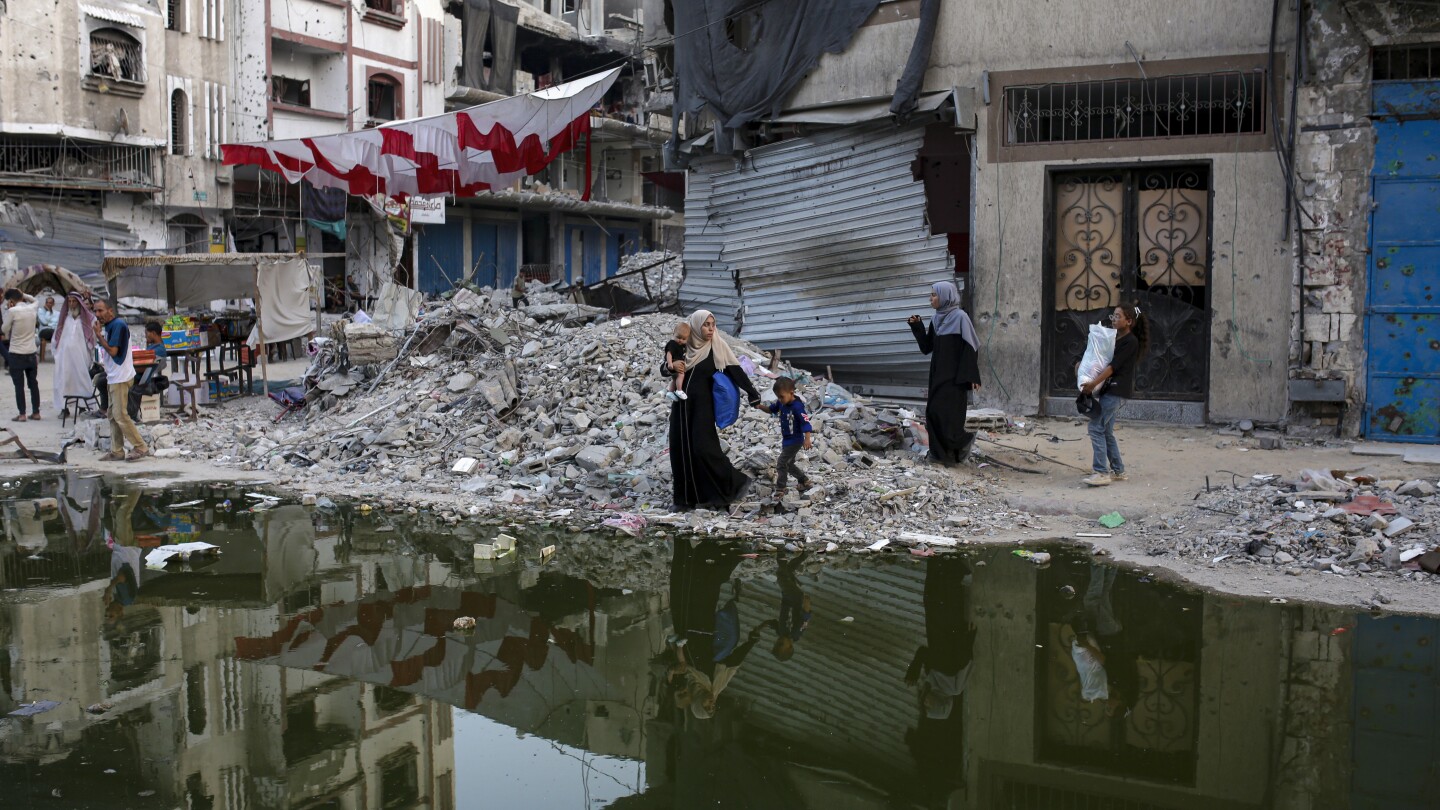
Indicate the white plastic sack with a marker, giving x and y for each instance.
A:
(1099, 351)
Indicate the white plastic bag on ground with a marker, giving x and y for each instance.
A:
(1099, 351)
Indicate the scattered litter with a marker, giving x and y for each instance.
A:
(631, 524)
(546, 553)
(1277, 601)
(878, 544)
(32, 709)
(179, 552)
(464, 623)
(848, 619)
(1037, 557)
(1093, 534)
(931, 539)
(1112, 520)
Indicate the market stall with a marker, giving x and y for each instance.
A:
(280, 285)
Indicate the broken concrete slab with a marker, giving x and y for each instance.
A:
(1409, 453)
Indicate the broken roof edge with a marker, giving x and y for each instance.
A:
(961, 99)
(557, 201)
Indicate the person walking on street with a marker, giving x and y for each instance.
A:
(119, 377)
(1111, 389)
(794, 434)
(21, 333)
(954, 372)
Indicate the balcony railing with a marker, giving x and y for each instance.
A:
(75, 164)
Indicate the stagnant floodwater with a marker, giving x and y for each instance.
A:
(316, 664)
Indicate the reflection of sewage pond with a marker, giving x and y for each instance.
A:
(316, 664)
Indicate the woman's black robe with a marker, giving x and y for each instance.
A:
(954, 370)
(703, 475)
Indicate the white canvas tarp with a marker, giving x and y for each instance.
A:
(284, 303)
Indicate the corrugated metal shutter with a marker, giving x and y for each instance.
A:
(828, 239)
(709, 282)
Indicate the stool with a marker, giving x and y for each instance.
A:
(74, 402)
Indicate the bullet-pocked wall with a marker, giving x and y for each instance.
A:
(1243, 260)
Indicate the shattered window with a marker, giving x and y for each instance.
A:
(1133, 109)
(116, 55)
(383, 99)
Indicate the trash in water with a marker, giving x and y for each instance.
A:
(38, 707)
(1037, 557)
(878, 544)
(164, 555)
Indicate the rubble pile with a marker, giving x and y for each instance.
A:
(660, 279)
(556, 413)
(1342, 524)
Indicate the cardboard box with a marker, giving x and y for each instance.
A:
(187, 339)
(150, 408)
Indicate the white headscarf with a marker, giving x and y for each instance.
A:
(699, 348)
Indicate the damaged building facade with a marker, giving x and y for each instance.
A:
(112, 117)
(325, 69)
(111, 120)
(1218, 166)
(577, 219)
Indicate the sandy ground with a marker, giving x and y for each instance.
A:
(1167, 467)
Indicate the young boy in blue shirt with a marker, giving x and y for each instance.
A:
(794, 434)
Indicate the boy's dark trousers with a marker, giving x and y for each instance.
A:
(786, 465)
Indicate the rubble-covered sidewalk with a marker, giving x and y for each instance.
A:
(555, 410)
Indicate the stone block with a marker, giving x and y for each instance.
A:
(597, 457)
(1338, 298)
(1345, 326)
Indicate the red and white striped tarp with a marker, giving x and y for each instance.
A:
(460, 153)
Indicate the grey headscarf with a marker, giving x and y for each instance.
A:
(949, 318)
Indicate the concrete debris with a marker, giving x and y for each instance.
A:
(660, 281)
(369, 344)
(1336, 523)
(483, 409)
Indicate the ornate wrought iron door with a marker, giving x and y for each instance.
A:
(1132, 235)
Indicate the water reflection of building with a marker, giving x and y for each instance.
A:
(153, 706)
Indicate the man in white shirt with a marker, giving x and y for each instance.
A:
(20, 332)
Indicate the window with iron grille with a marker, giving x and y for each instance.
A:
(1406, 63)
(383, 94)
(173, 10)
(1197, 105)
(116, 55)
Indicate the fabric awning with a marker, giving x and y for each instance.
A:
(461, 153)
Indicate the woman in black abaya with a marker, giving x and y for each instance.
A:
(703, 475)
(954, 370)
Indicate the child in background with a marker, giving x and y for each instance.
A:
(675, 353)
(155, 339)
(794, 434)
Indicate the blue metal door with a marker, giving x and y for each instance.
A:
(1402, 307)
(484, 252)
(440, 259)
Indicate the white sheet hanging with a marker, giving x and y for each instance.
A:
(285, 302)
